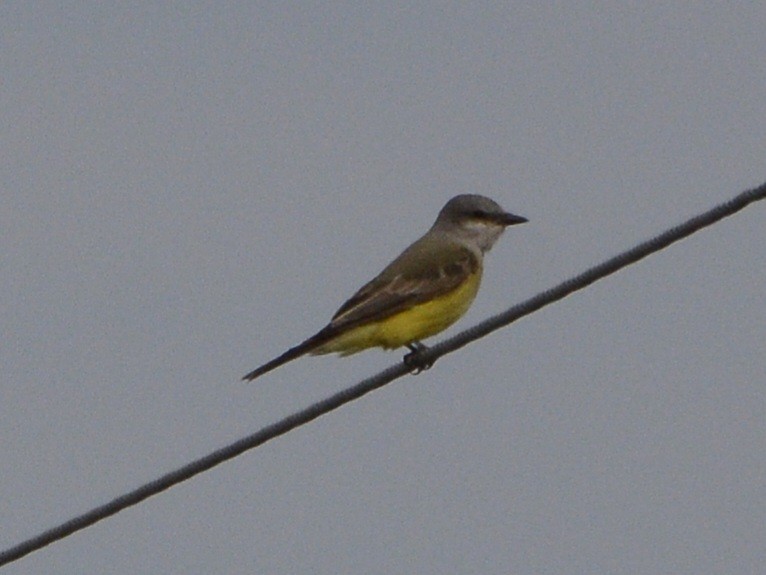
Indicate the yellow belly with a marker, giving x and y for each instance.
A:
(414, 324)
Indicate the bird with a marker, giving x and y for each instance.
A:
(422, 292)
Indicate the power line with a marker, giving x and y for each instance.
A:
(366, 386)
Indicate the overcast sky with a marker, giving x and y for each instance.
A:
(188, 190)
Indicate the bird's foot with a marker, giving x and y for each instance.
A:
(414, 359)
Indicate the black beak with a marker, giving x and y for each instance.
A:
(510, 219)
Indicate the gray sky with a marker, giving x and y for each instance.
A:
(189, 190)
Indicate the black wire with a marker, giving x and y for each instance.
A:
(596, 273)
(425, 357)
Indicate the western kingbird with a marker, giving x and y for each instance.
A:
(422, 292)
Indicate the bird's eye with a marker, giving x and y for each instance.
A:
(478, 214)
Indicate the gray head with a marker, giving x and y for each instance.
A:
(475, 219)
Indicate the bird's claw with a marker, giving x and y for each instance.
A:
(414, 359)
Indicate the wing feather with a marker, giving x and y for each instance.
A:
(428, 271)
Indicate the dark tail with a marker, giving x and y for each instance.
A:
(292, 353)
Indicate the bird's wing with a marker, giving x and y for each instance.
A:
(422, 273)
(425, 270)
